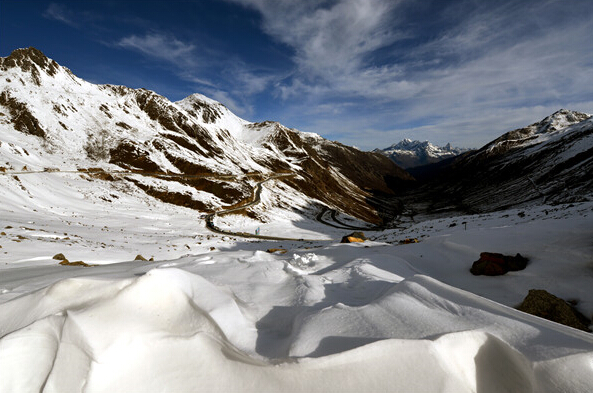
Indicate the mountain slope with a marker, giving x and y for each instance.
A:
(550, 161)
(138, 130)
(409, 153)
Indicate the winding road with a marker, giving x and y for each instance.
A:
(342, 225)
(255, 199)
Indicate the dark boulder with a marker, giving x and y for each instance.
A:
(545, 305)
(494, 264)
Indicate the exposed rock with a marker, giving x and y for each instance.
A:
(129, 154)
(350, 239)
(59, 257)
(173, 197)
(494, 264)
(354, 237)
(545, 305)
(139, 258)
(22, 118)
(26, 59)
(65, 262)
(277, 250)
(362, 174)
(408, 241)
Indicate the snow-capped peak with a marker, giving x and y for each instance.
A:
(409, 153)
(536, 132)
(560, 119)
(201, 98)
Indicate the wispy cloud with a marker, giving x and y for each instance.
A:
(62, 14)
(227, 77)
(160, 46)
(232, 83)
(485, 60)
(332, 42)
(239, 108)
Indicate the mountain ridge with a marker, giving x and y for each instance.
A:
(549, 161)
(140, 130)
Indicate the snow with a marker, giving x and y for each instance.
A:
(375, 316)
(323, 316)
(548, 130)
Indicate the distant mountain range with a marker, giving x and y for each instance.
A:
(409, 153)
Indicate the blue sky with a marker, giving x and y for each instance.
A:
(364, 72)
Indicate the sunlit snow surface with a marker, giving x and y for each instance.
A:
(216, 313)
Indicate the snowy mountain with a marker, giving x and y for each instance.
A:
(65, 121)
(547, 162)
(409, 153)
(535, 133)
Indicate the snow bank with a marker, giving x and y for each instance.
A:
(173, 330)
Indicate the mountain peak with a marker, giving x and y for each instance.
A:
(409, 153)
(30, 53)
(29, 60)
(89, 125)
(534, 133)
(408, 144)
(560, 119)
(201, 98)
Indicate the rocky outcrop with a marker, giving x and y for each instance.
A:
(129, 154)
(545, 305)
(276, 250)
(65, 262)
(22, 118)
(354, 237)
(494, 264)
